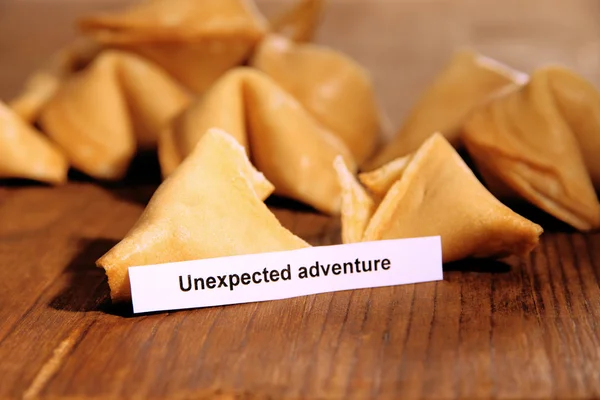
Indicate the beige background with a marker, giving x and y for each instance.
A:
(402, 42)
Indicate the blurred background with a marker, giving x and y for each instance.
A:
(404, 43)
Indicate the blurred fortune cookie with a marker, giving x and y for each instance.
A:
(435, 193)
(209, 207)
(101, 115)
(119, 31)
(465, 83)
(26, 153)
(119, 91)
(285, 142)
(45, 81)
(330, 85)
(300, 22)
(578, 102)
(194, 41)
(536, 141)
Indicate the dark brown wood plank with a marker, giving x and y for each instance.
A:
(490, 329)
(510, 329)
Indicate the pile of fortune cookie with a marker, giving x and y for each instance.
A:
(239, 107)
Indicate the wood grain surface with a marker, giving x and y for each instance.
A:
(492, 329)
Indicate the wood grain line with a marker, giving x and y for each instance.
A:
(560, 329)
(493, 388)
(357, 342)
(59, 354)
(461, 316)
(528, 276)
(425, 386)
(248, 327)
(539, 259)
(170, 363)
(595, 265)
(576, 338)
(407, 333)
(329, 377)
(565, 325)
(307, 307)
(28, 311)
(584, 327)
(306, 378)
(376, 386)
(583, 288)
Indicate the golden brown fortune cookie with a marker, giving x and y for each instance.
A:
(579, 103)
(331, 86)
(465, 83)
(152, 96)
(221, 106)
(207, 208)
(100, 114)
(285, 142)
(380, 180)
(437, 194)
(194, 41)
(25, 153)
(44, 82)
(525, 142)
(291, 148)
(300, 22)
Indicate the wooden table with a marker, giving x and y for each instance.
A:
(512, 329)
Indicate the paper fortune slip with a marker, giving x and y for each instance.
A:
(280, 275)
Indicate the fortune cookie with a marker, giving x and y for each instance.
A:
(25, 153)
(466, 82)
(437, 194)
(221, 106)
(152, 96)
(207, 208)
(285, 142)
(331, 86)
(194, 41)
(43, 83)
(380, 180)
(357, 205)
(100, 114)
(526, 140)
(579, 103)
(300, 22)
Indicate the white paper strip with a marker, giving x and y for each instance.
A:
(273, 276)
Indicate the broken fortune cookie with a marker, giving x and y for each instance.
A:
(437, 194)
(207, 208)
